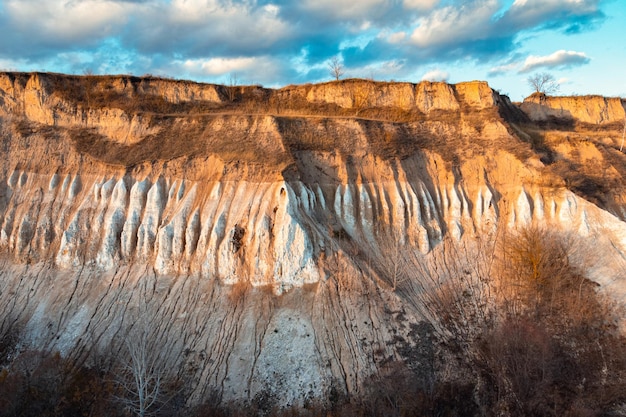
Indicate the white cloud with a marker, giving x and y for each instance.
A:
(272, 9)
(536, 7)
(195, 29)
(502, 69)
(557, 59)
(436, 75)
(396, 37)
(451, 25)
(63, 21)
(528, 13)
(420, 4)
(346, 9)
(201, 12)
(218, 66)
(247, 69)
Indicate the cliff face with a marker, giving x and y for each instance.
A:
(425, 96)
(258, 231)
(587, 109)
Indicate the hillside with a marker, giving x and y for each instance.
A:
(273, 235)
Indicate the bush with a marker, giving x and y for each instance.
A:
(38, 384)
(549, 345)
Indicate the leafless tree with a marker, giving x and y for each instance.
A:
(395, 260)
(336, 68)
(143, 372)
(543, 83)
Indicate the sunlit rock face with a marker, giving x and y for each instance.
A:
(257, 235)
(587, 109)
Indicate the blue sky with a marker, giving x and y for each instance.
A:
(582, 43)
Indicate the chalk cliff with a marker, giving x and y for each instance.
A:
(254, 221)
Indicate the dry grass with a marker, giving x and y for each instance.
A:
(103, 91)
(183, 137)
(151, 148)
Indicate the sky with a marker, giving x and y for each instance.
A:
(581, 43)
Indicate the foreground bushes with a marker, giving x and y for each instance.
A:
(515, 330)
(533, 335)
(39, 384)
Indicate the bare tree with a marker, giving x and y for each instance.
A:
(143, 371)
(395, 259)
(543, 83)
(336, 68)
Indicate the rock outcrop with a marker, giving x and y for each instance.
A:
(595, 110)
(47, 99)
(425, 96)
(257, 233)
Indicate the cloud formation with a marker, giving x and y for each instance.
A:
(446, 26)
(558, 59)
(281, 41)
(436, 75)
(503, 69)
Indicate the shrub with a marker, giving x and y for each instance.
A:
(37, 383)
(537, 337)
